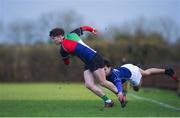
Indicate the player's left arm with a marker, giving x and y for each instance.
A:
(79, 31)
(65, 56)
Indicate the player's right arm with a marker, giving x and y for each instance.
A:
(118, 83)
(79, 31)
(115, 80)
(122, 98)
(65, 56)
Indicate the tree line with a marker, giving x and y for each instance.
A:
(42, 61)
(28, 55)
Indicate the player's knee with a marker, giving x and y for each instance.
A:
(102, 83)
(89, 86)
(146, 73)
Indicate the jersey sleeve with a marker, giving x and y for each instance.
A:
(116, 81)
(118, 84)
(79, 31)
(87, 28)
(65, 56)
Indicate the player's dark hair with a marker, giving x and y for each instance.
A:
(56, 32)
(107, 63)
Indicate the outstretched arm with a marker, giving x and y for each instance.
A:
(79, 31)
(118, 83)
(90, 29)
(121, 96)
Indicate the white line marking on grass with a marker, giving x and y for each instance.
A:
(154, 101)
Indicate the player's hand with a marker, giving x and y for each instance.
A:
(94, 31)
(121, 96)
(122, 99)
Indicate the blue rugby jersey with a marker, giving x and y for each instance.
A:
(118, 76)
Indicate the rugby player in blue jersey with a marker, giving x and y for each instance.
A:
(133, 74)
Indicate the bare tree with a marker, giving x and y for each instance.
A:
(28, 32)
(169, 28)
(1, 31)
(57, 19)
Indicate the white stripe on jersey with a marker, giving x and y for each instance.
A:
(81, 42)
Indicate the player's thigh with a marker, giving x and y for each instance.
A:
(143, 72)
(89, 78)
(100, 75)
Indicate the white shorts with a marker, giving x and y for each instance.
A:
(136, 75)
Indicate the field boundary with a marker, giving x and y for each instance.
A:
(154, 101)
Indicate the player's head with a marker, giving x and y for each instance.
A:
(107, 67)
(57, 35)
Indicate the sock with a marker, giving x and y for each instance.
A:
(105, 98)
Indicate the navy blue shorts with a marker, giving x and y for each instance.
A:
(96, 62)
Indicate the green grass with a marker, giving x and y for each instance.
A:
(47, 99)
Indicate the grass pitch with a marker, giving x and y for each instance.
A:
(74, 100)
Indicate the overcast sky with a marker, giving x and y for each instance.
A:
(101, 13)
